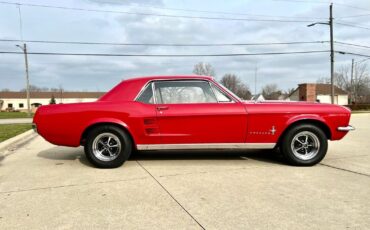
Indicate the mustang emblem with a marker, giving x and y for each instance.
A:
(272, 130)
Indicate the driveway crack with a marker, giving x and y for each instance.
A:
(71, 185)
(346, 170)
(159, 183)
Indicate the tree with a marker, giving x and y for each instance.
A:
(271, 92)
(34, 88)
(358, 87)
(52, 100)
(289, 91)
(204, 69)
(234, 84)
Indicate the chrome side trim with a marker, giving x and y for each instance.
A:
(207, 146)
(346, 128)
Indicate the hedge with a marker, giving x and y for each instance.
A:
(359, 106)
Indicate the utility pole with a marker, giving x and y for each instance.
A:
(24, 49)
(331, 52)
(352, 89)
(330, 24)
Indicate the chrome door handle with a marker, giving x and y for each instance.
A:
(160, 108)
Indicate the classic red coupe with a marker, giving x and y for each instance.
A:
(189, 112)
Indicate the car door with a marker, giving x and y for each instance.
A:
(188, 111)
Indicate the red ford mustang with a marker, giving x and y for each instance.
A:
(189, 112)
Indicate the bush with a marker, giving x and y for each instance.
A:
(359, 106)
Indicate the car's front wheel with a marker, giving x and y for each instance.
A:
(304, 145)
(107, 146)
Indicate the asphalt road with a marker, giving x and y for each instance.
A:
(44, 186)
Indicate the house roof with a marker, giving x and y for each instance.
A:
(21, 95)
(325, 89)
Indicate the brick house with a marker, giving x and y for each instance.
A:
(318, 92)
(18, 100)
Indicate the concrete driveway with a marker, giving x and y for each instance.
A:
(44, 186)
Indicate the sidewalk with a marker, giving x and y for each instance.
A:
(15, 121)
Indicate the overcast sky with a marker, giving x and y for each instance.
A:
(102, 73)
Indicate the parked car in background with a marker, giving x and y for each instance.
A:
(189, 112)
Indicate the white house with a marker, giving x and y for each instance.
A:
(18, 100)
(320, 93)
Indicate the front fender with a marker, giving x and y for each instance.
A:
(302, 117)
(315, 119)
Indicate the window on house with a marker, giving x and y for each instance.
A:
(21, 105)
(10, 105)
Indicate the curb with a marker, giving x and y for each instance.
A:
(19, 138)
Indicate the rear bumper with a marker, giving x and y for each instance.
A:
(346, 128)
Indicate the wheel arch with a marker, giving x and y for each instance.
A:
(115, 123)
(312, 121)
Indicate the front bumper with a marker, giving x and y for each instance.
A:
(346, 128)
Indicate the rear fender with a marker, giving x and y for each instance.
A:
(107, 120)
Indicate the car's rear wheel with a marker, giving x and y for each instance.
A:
(304, 145)
(107, 146)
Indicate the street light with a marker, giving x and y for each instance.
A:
(24, 49)
(322, 23)
(330, 24)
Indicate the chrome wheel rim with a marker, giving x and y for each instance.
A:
(106, 146)
(305, 145)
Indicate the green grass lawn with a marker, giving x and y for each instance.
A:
(7, 115)
(360, 111)
(10, 130)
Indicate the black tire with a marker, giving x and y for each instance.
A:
(106, 158)
(305, 151)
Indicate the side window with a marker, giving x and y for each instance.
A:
(182, 92)
(146, 95)
(221, 96)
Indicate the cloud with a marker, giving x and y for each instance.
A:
(102, 73)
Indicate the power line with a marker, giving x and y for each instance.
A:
(158, 15)
(301, 1)
(352, 25)
(162, 44)
(207, 11)
(355, 54)
(353, 7)
(352, 44)
(164, 55)
(322, 2)
(354, 16)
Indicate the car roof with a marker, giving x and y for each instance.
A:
(169, 77)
